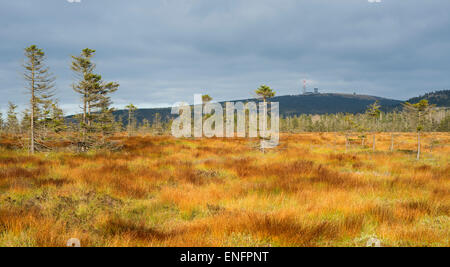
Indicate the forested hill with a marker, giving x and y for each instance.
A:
(329, 103)
(438, 98)
(295, 105)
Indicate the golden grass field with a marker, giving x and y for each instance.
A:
(161, 191)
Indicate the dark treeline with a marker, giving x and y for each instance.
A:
(43, 125)
(438, 120)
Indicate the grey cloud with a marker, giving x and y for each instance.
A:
(165, 51)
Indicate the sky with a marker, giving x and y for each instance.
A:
(165, 51)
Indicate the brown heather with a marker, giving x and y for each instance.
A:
(161, 191)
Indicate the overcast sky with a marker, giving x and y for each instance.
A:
(164, 51)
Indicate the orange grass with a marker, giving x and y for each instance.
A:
(161, 191)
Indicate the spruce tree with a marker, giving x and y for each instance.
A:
(97, 116)
(444, 125)
(206, 98)
(40, 84)
(12, 123)
(374, 113)
(157, 124)
(131, 119)
(83, 68)
(55, 121)
(418, 114)
(25, 122)
(265, 92)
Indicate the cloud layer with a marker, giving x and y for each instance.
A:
(164, 51)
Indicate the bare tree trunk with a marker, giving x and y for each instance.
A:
(33, 103)
(89, 115)
(32, 124)
(83, 146)
(265, 113)
(418, 145)
(84, 113)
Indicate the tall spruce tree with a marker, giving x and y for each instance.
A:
(96, 112)
(83, 68)
(418, 113)
(374, 114)
(131, 119)
(40, 84)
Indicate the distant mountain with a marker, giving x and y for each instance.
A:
(329, 103)
(438, 98)
(291, 105)
(294, 105)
